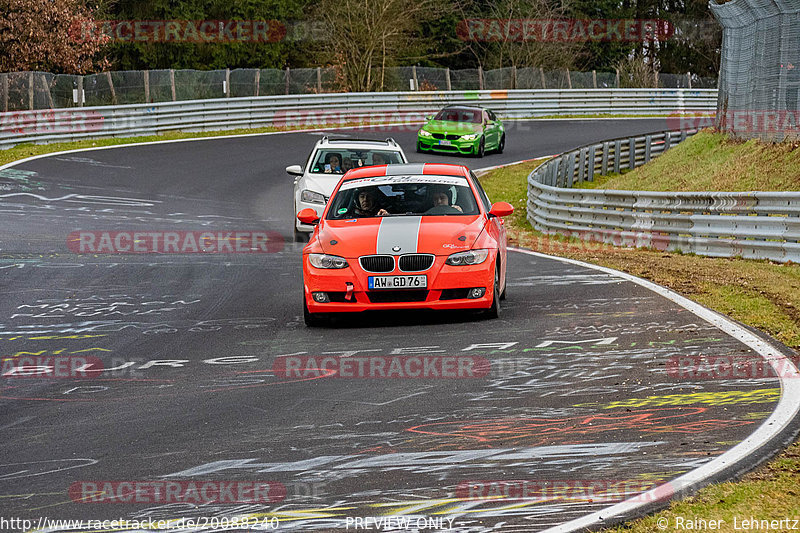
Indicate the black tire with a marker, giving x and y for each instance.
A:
(313, 320)
(500, 147)
(481, 148)
(494, 310)
(419, 148)
(505, 289)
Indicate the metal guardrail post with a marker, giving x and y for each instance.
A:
(632, 153)
(648, 140)
(604, 162)
(592, 157)
(617, 156)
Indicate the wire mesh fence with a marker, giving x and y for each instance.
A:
(21, 91)
(760, 71)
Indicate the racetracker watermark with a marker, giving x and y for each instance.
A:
(402, 120)
(175, 242)
(383, 367)
(66, 367)
(177, 31)
(705, 367)
(740, 121)
(164, 492)
(564, 30)
(51, 121)
(596, 490)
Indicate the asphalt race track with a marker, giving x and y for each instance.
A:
(577, 387)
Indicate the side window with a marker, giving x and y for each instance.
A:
(484, 199)
(492, 116)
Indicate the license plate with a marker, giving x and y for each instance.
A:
(445, 143)
(398, 282)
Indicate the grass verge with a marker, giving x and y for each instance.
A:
(758, 293)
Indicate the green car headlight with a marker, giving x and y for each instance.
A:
(470, 137)
(425, 133)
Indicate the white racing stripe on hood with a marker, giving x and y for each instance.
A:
(398, 231)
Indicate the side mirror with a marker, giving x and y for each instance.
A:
(308, 216)
(294, 170)
(499, 209)
(428, 117)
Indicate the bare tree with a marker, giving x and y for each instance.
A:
(362, 37)
(39, 35)
(503, 35)
(636, 71)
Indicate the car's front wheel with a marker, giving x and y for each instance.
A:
(502, 144)
(313, 320)
(494, 310)
(481, 148)
(419, 148)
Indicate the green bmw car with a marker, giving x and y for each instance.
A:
(462, 130)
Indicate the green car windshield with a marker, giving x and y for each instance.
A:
(455, 114)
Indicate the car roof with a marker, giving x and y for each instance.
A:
(386, 144)
(472, 107)
(411, 169)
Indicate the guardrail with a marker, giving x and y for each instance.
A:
(754, 225)
(333, 109)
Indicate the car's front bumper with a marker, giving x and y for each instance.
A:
(447, 288)
(459, 146)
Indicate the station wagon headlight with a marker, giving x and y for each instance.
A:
(425, 133)
(470, 257)
(312, 197)
(327, 261)
(469, 137)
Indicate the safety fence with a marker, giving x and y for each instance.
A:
(755, 225)
(337, 109)
(760, 68)
(43, 90)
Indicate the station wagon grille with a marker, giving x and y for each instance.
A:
(377, 263)
(415, 262)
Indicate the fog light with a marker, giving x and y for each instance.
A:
(320, 297)
(477, 292)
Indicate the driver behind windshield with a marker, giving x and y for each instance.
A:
(440, 196)
(367, 204)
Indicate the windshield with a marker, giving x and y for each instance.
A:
(403, 196)
(457, 114)
(340, 160)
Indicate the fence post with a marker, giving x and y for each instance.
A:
(632, 153)
(172, 83)
(667, 140)
(569, 80)
(30, 90)
(4, 90)
(514, 77)
(147, 86)
(319, 80)
(258, 81)
(81, 97)
(648, 141)
(47, 92)
(227, 83)
(414, 77)
(616, 78)
(617, 156)
(594, 79)
(480, 78)
(111, 88)
(689, 80)
(287, 80)
(447, 78)
(541, 73)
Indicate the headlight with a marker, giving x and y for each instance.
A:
(471, 257)
(327, 261)
(312, 197)
(470, 137)
(425, 133)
